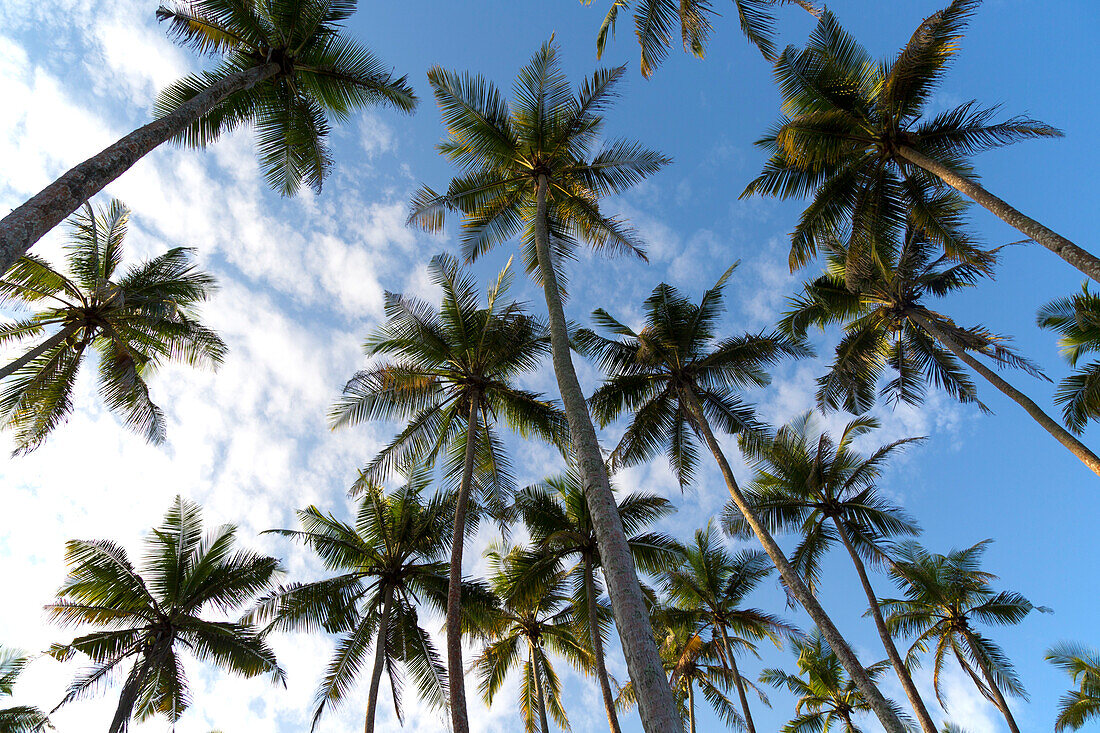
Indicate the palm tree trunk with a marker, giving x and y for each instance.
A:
(1084, 261)
(998, 698)
(1063, 436)
(656, 705)
(25, 225)
(906, 679)
(37, 351)
(791, 579)
(379, 659)
(128, 698)
(731, 665)
(597, 647)
(540, 694)
(457, 689)
(691, 707)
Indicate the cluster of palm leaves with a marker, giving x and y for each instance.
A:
(888, 185)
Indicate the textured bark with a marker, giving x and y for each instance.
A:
(791, 579)
(691, 707)
(1083, 260)
(597, 647)
(999, 699)
(27, 224)
(379, 659)
(732, 666)
(37, 351)
(540, 694)
(656, 705)
(906, 679)
(1063, 436)
(460, 722)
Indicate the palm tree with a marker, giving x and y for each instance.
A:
(389, 561)
(825, 696)
(655, 22)
(532, 614)
(453, 371)
(135, 320)
(21, 718)
(944, 596)
(556, 517)
(675, 380)
(1077, 319)
(531, 168)
(709, 588)
(887, 325)
(149, 615)
(855, 137)
(1083, 665)
(692, 662)
(826, 492)
(285, 68)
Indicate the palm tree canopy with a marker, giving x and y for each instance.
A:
(1077, 320)
(655, 22)
(545, 132)
(134, 320)
(944, 595)
(147, 613)
(845, 117)
(396, 546)
(21, 718)
(677, 351)
(1078, 706)
(322, 73)
(805, 478)
(438, 360)
(881, 334)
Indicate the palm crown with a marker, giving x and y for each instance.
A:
(134, 320)
(321, 72)
(21, 718)
(149, 615)
(1077, 706)
(1077, 320)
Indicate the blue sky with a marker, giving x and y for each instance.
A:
(302, 281)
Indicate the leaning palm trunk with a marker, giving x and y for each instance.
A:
(27, 224)
(126, 701)
(731, 665)
(998, 698)
(1063, 436)
(379, 659)
(457, 689)
(906, 679)
(792, 580)
(540, 694)
(656, 705)
(1084, 261)
(37, 351)
(597, 648)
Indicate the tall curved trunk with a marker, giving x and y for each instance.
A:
(656, 705)
(1063, 436)
(791, 579)
(998, 698)
(128, 698)
(691, 707)
(37, 351)
(540, 694)
(906, 679)
(731, 665)
(597, 647)
(1084, 261)
(379, 659)
(27, 224)
(456, 689)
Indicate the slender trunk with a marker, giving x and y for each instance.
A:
(1084, 261)
(1063, 436)
(379, 659)
(906, 679)
(597, 647)
(540, 694)
(793, 581)
(457, 690)
(731, 665)
(999, 699)
(691, 707)
(27, 224)
(37, 351)
(128, 698)
(656, 705)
